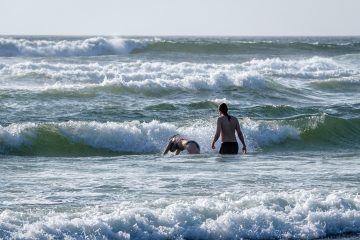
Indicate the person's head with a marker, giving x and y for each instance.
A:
(223, 108)
(173, 143)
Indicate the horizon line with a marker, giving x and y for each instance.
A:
(164, 35)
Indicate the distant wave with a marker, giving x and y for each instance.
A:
(346, 84)
(258, 74)
(111, 138)
(88, 47)
(208, 104)
(301, 214)
(234, 46)
(95, 46)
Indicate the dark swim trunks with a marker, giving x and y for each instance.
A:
(229, 148)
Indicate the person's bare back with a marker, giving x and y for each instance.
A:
(226, 127)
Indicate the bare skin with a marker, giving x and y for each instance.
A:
(226, 129)
(182, 144)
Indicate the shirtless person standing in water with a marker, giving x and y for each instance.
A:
(226, 127)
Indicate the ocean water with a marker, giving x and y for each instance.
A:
(84, 121)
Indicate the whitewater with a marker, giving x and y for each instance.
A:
(84, 121)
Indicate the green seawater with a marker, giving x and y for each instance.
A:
(84, 121)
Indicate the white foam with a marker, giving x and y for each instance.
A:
(264, 133)
(133, 75)
(152, 76)
(133, 137)
(255, 215)
(88, 47)
(314, 67)
(17, 135)
(143, 137)
(220, 101)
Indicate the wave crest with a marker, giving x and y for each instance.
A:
(88, 47)
(301, 214)
(257, 74)
(95, 138)
(56, 46)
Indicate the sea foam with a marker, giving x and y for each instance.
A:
(154, 76)
(255, 215)
(134, 137)
(88, 47)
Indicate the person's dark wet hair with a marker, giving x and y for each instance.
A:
(173, 145)
(223, 108)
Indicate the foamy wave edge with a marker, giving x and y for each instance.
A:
(62, 48)
(155, 76)
(255, 215)
(135, 136)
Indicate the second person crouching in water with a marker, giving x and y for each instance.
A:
(177, 144)
(226, 127)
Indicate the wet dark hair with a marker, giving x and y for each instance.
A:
(223, 108)
(173, 144)
(173, 147)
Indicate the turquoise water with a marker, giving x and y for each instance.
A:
(84, 121)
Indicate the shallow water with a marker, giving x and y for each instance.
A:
(273, 195)
(84, 121)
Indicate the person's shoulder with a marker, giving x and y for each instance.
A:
(234, 118)
(221, 118)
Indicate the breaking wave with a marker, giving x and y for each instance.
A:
(95, 46)
(114, 138)
(298, 214)
(143, 76)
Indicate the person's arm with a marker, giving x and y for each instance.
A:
(167, 149)
(177, 152)
(240, 135)
(217, 133)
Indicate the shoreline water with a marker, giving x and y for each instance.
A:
(84, 120)
(251, 196)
